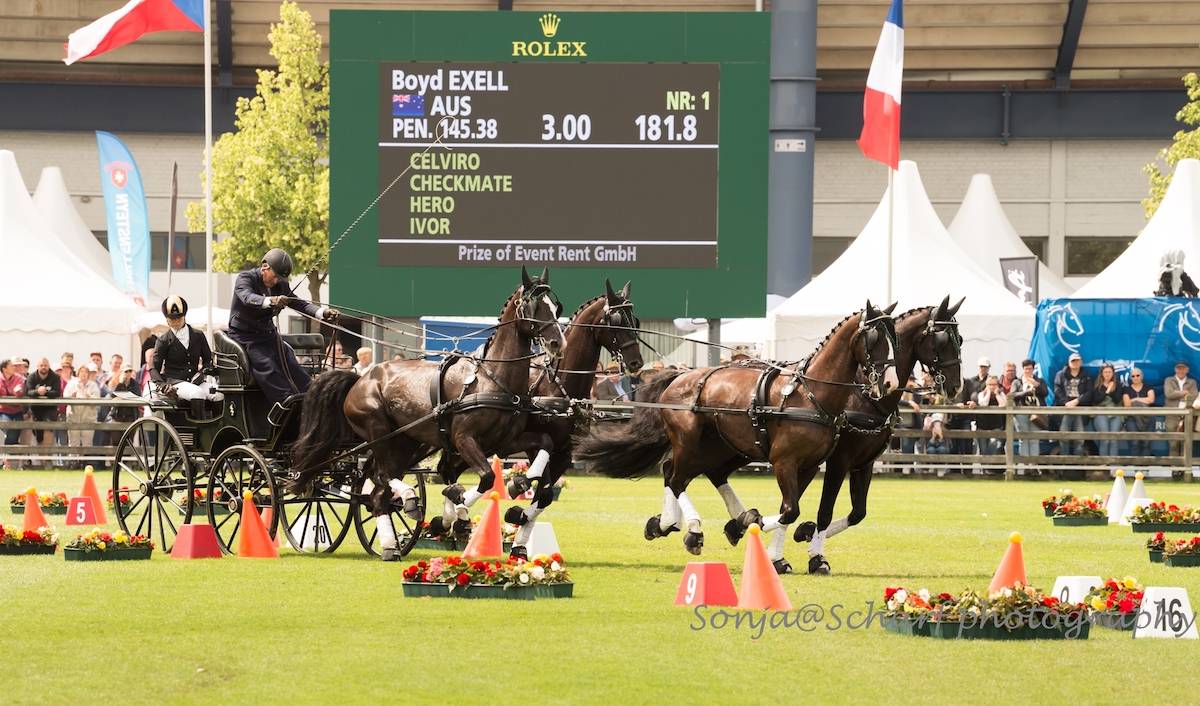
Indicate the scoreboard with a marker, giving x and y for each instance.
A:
(576, 141)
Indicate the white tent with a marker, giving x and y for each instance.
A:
(984, 232)
(52, 302)
(151, 321)
(53, 202)
(1175, 226)
(927, 265)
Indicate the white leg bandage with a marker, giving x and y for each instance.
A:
(401, 490)
(771, 522)
(817, 546)
(526, 530)
(732, 504)
(690, 515)
(775, 549)
(539, 465)
(449, 512)
(670, 512)
(471, 496)
(387, 533)
(837, 526)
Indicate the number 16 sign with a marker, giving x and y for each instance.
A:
(1165, 612)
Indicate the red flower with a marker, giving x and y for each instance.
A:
(537, 562)
(1172, 508)
(423, 564)
(31, 536)
(1125, 606)
(1049, 601)
(490, 574)
(1158, 537)
(453, 560)
(1112, 585)
(106, 537)
(1, 531)
(124, 498)
(945, 596)
(410, 572)
(556, 557)
(463, 579)
(888, 593)
(1109, 603)
(478, 566)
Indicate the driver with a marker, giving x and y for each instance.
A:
(180, 353)
(258, 296)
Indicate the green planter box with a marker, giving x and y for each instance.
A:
(199, 509)
(26, 549)
(1168, 527)
(555, 590)
(989, 631)
(1156, 556)
(904, 626)
(449, 545)
(1115, 621)
(107, 555)
(1181, 559)
(1048, 511)
(441, 590)
(20, 510)
(1080, 521)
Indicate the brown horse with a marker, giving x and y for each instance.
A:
(604, 323)
(485, 412)
(714, 420)
(929, 335)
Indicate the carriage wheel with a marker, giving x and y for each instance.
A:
(151, 467)
(236, 470)
(408, 530)
(317, 523)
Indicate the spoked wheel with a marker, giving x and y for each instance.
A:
(236, 470)
(151, 467)
(317, 523)
(408, 530)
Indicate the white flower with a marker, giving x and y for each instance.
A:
(1007, 593)
(538, 573)
(524, 578)
(555, 566)
(924, 594)
(900, 596)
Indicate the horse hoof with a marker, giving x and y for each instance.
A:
(805, 532)
(751, 517)
(412, 508)
(693, 542)
(519, 553)
(390, 555)
(453, 493)
(818, 566)
(518, 485)
(461, 530)
(436, 527)
(515, 516)
(734, 531)
(652, 530)
(782, 567)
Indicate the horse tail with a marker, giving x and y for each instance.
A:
(628, 449)
(323, 424)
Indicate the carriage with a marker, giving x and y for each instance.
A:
(174, 466)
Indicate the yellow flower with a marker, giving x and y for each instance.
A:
(100, 545)
(120, 538)
(1098, 604)
(1130, 582)
(543, 557)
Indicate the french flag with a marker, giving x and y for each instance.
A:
(137, 17)
(880, 138)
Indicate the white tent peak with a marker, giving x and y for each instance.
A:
(927, 265)
(1174, 226)
(53, 201)
(983, 230)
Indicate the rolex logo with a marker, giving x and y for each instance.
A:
(549, 24)
(544, 47)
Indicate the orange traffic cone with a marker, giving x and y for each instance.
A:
(1012, 566)
(498, 478)
(89, 491)
(268, 515)
(487, 541)
(255, 541)
(34, 519)
(761, 587)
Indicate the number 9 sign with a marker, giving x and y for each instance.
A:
(706, 583)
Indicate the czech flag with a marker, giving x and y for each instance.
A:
(880, 138)
(138, 17)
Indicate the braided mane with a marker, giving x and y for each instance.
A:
(833, 330)
(585, 305)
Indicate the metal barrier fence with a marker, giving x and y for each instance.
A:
(1179, 457)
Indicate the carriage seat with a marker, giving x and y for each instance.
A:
(304, 341)
(232, 363)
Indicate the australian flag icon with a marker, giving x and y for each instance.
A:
(407, 105)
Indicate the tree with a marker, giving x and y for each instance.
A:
(1185, 146)
(271, 176)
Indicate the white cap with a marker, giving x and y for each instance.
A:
(985, 361)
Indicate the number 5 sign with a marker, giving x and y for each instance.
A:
(81, 511)
(1166, 612)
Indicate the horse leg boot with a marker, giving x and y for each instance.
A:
(668, 521)
(693, 539)
(740, 518)
(408, 496)
(519, 484)
(388, 542)
(776, 524)
(528, 518)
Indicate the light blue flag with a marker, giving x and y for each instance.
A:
(128, 225)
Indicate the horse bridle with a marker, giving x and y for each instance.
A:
(626, 320)
(538, 291)
(944, 333)
(869, 330)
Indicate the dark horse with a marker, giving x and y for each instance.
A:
(929, 335)
(715, 420)
(485, 410)
(606, 322)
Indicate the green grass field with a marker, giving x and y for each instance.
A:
(337, 629)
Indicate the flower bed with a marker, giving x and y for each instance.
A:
(1080, 512)
(200, 502)
(455, 577)
(1155, 546)
(99, 545)
(51, 503)
(1050, 504)
(1162, 517)
(445, 542)
(124, 498)
(16, 541)
(1015, 613)
(1115, 602)
(1182, 552)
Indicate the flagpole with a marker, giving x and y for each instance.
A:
(208, 224)
(887, 299)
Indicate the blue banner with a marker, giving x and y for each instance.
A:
(128, 225)
(1151, 334)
